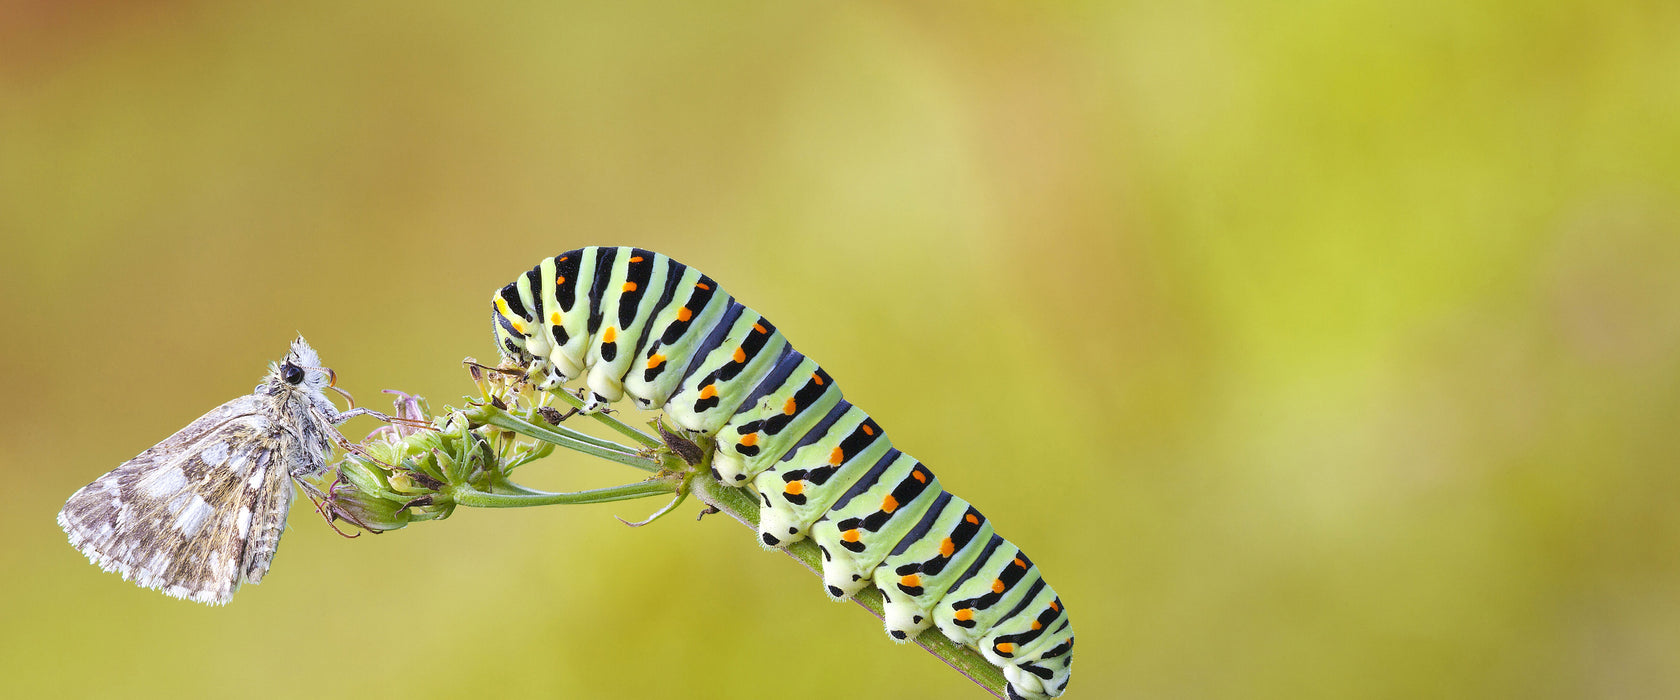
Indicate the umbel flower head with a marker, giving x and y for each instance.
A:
(421, 466)
(398, 474)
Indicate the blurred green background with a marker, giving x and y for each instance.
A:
(1316, 350)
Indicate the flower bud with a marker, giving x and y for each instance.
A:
(367, 512)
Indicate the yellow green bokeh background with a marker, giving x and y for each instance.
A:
(1320, 350)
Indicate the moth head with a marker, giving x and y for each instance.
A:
(301, 368)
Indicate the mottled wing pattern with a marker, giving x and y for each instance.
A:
(178, 516)
(265, 520)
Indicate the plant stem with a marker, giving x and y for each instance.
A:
(468, 496)
(606, 419)
(564, 437)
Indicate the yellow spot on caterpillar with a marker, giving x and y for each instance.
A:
(609, 335)
(749, 440)
(971, 519)
(910, 581)
(519, 326)
(997, 585)
(701, 285)
(1037, 625)
(947, 547)
(837, 456)
(964, 614)
(817, 378)
(889, 504)
(684, 314)
(564, 258)
(554, 318)
(559, 279)
(919, 475)
(629, 286)
(794, 488)
(790, 407)
(740, 355)
(850, 535)
(759, 327)
(655, 361)
(636, 259)
(1020, 563)
(1056, 605)
(709, 391)
(1006, 648)
(868, 430)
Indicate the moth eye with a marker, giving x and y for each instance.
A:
(291, 373)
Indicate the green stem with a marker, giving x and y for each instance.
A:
(602, 417)
(468, 496)
(563, 437)
(504, 486)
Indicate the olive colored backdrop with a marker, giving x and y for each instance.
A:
(1314, 350)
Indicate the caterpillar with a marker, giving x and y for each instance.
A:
(634, 323)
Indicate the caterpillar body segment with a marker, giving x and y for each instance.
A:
(641, 284)
(664, 358)
(852, 445)
(631, 323)
(780, 411)
(740, 350)
(870, 520)
(927, 562)
(553, 286)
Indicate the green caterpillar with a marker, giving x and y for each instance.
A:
(635, 323)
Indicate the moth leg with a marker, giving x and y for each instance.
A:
(352, 413)
(311, 491)
(345, 444)
(321, 501)
(340, 418)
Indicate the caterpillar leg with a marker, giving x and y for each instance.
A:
(604, 389)
(593, 402)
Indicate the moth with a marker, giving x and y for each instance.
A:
(200, 513)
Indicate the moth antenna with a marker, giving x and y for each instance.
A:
(332, 383)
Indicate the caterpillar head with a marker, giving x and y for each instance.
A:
(510, 324)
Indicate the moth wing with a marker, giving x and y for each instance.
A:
(177, 517)
(262, 523)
